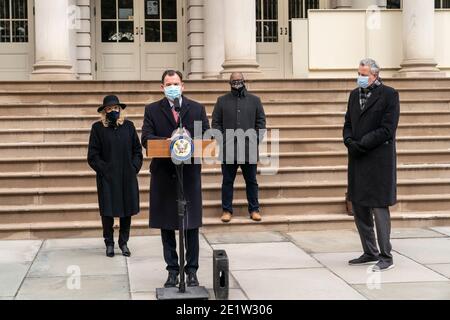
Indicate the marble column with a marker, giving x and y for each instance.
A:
(214, 45)
(418, 40)
(53, 60)
(364, 4)
(341, 4)
(240, 38)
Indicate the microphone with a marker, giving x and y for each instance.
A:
(176, 105)
(177, 108)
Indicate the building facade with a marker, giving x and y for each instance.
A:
(208, 39)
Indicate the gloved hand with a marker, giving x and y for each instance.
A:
(354, 148)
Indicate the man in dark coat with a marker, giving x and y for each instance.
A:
(369, 135)
(160, 121)
(240, 117)
(115, 154)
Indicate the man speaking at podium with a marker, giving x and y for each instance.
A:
(160, 121)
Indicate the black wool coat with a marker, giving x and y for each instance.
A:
(115, 154)
(233, 112)
(159, 123)
(372, 177)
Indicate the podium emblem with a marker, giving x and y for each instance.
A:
(181, 148)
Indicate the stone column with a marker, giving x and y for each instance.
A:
(418, 40)
(341, 4)
(240, 38)
(364, 4)
(52, 41)
(214, 45)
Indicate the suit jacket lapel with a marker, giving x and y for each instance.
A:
(371, 101)
(167, 110)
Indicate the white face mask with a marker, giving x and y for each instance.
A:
(363, 81)
(172, 92)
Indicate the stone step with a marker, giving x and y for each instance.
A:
(79, 149)
(285, 223)
(111, 86)
(212, 208)
(273, 119)
(67, 149)
(266, 94)
(212, 191)
(70, 177)
(285, 132)
(137, 108)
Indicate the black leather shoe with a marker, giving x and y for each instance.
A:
(364, 259)
(110, 251)
(192, 280)
(125, 251)
(172, 280)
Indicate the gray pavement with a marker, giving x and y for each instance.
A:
(263, 265)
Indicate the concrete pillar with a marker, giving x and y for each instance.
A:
(418, 40)
(341, 4)
(364, 4)
(240, 38)
(53, 53)
(214, 45)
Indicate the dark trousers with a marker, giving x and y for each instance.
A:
(108, 230)
(191, 242)
(251, 186)
(364, 222)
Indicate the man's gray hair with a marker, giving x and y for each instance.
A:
(372, 64)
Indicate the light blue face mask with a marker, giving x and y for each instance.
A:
(363, 81)
(172, 92)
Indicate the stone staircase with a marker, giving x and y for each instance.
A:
(47, 188)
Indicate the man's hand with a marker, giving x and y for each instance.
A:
(354, 148)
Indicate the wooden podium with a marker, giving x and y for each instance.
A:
(161, 149)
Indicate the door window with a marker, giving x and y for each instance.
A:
(13, 21)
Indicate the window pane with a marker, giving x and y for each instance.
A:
(4, 31)
(109, 9)
(152, 31)
(270, 9)
(126, 31)
(152, 9)
(437, 4)
(20, 31)
(393, 4)
(4, 9)
(446, 4)
(19, 9)
(295, 9)
(270, 31)
(258, 31)
(258, 9)
(169, 9)
(109, 31)
(125, 9)
(169, 31)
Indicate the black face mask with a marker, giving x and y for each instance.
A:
(237, 86)
(112, 117)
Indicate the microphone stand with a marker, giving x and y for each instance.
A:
(181, 204)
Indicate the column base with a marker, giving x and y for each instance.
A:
(212, 76)
(419, 69)
(250, 68)
(53, 70)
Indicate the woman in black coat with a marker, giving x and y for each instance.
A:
(115, 154)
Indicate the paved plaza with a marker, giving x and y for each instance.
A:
(263, 265)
